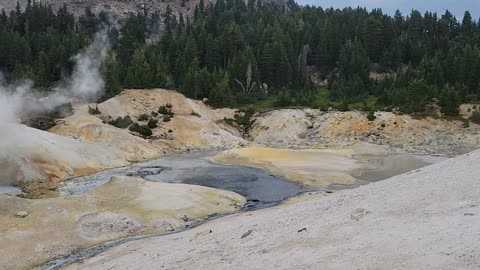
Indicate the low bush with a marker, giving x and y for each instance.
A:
(121, 122)
(343, 107)
(143, 117)
(152, 123)
(93, 111)
(165, 110)
(371, 116)
(475, 118)
(195, 114)
(142, 130)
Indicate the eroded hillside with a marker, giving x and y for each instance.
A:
(311, 128)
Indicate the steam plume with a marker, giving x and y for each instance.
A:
(85, 84)
(21, 99)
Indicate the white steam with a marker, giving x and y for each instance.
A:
(85, 84)
(21, 99)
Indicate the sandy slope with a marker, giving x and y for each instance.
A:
(30, 154)
(90, 128)
(82, 143)
(185, 131)
(426, 219)
(312, 167)
(57, 226)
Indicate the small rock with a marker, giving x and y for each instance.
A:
(22, 214)
(163, 224)
(201, 234)
(247, 234)
(358, 214)
(183, 217)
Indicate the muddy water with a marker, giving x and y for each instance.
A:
(9, 189)
(384, 167)
(261, 188)
(395, 165)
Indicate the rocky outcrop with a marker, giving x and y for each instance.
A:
(309, 128)
(57, 226)
(121, 7)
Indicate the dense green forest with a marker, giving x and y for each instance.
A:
(236, 54)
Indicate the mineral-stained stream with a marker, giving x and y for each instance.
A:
(5, 189)
(261, 188)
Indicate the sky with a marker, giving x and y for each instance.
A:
(457, 7)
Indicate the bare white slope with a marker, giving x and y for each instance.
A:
(427, 219)
(29, 154)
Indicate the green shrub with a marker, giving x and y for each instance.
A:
(169, 105)
(154, 114)
(229, 121)
(195, 114)
(165, 110)
(323, 108)
(134, 127)
(167, 118)
(344, 106)
(365, 106)
(382, 125)
(142, 130)
(93, 111)
(121, 122)
(371, 116)
(152, 123)
(143, 117)
(242, 120)
(475, 117)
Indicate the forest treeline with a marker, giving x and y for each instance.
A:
(236, 53)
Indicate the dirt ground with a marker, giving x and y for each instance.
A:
(123, 207)
(425, 219)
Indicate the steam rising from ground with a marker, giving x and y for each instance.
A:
(85, 84)
(21, 99)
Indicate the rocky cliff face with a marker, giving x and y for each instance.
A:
(121, 7)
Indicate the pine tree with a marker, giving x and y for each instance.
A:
(139, 72)
(374, 39)
(220, 94)
(111, 73)
(467, 25)
(449, 101)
